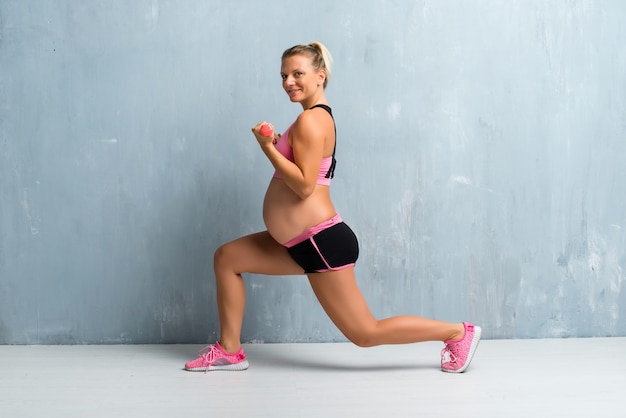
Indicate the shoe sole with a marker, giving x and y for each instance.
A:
(477, 334)
(229, 367)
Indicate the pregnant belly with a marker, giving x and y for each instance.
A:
(287, 215)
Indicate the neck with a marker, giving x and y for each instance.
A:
(317, 99)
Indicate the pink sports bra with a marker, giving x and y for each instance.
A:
(327, 167)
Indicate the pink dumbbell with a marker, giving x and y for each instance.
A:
(267, 129)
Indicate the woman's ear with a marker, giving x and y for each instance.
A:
(321, 77)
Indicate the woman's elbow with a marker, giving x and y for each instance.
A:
(305, 192)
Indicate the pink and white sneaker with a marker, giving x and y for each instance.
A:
(216, 358)
(457, 354)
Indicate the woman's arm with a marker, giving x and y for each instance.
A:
(307, 136)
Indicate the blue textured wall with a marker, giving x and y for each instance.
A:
(481, 157)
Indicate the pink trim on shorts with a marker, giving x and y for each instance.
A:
(328, 267)
(313, 230)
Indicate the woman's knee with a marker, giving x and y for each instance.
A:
(223, 256)
(362, 337)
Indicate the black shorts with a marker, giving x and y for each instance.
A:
(327, 247)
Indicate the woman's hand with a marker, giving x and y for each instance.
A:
(262, 139)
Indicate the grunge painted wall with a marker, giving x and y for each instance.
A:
(480, 146)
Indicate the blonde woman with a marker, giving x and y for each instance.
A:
(306, 235)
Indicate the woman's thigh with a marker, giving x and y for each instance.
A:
(341, 298)
(257, 253)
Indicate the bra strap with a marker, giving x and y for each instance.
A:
(331, 171)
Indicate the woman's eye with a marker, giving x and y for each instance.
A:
(297, 74)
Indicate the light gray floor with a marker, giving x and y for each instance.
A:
(508, 378)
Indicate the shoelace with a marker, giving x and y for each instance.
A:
(208, 356)
(450, 350)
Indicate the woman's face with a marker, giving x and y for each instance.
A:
(301, 80)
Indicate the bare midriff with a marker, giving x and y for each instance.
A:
(286, 215)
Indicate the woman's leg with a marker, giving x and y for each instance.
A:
(257, 253)
(344, 303)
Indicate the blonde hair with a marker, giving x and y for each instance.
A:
(319, 54)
